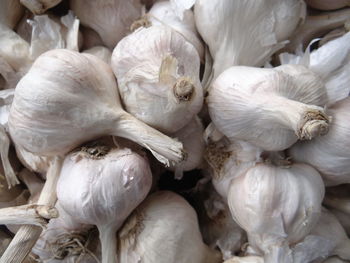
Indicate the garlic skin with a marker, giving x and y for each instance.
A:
(96, 111)
(328, 4)
(162, 13)
(101, 52)
(246, 32)
(247, 259)
(148, 234)
(110, 19)
(268, 107)
(33, 162)
(10, 12)
(329, 154)
(276, 206)
(102, 188)
(158, 77)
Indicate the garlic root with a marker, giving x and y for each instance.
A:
(10, 175)
(27, 215)
(184, 89)
(314, 123)
(39, 7)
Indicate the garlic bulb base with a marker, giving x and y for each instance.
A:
(184, 89)
(141, 22)
(314, 123)
(39, 7)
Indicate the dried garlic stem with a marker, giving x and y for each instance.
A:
(10, 175)
(341, 204)
(108, 244)
(39, 7)
(141, 22)
(27, 235)
(27, 215)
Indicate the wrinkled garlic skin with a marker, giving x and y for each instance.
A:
(246, 32)
(158, 77)
(268, 107)
(148, 235)
(328, 4)
(276, 204)
(162, 13)
(110, 19)
(329, 154)
(101, 52)
(11, 12)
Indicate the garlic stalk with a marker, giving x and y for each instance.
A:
(193, 142)
(97, 110)
(329, 154)
(8, 194)
(39, 7)
(246, 32)
(10, 12)
(328, 4)
(163, 13)
(102, 186)
(277, 206)
(331, 62)
(148, 234)
(269, 108)
(33, 183)
(110, 19)
(101, 52)
(158, 77)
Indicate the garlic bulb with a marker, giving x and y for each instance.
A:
(158, 77)
(193, 142)
(38, 7)
(110, 19)
(248, 259)
(10, 12)
(329, 154)
(331, 62)
(343, 218)
(328, 4)
(277, 206)
(102, 186)
(246, 32)
(96, 111)
(148, 235)
(101, 52)
(33, 162)
(269, 108)
(162, 13)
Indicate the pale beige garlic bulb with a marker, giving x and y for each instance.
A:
(158, 76)
(101, 52)
(269, 108)
(149, 235)
(246, 32)
(76, 119)
(110, 19)
(39, 7)
(277, 206)
(191, 137)
(101, 186)
(328, 4)
(163, 13)
(329, 154)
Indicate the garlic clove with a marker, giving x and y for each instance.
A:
(39, 7)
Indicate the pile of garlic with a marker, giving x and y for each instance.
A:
(175, 131)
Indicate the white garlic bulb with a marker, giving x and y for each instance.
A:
(193, 142)
(277, 206)
(328, 4)
(158, 77)
(246, 32)
(329, 154)
(268, 108)
(101, 52)
(10, 12)
(102, 186)
(163, 13)
(110, 19)
(97, 111)
(148, 235)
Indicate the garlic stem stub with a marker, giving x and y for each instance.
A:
(51, 118)
(158, 77)
(268, 108)
(102, 186)
(39, 7)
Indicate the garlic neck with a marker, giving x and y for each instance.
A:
(183, 89)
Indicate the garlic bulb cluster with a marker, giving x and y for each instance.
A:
(96, 111)
(277, 206)
(271, 110)
(329, 154)
(148, 234)
(158, 77)
(110, 19)
(246, 32)
(102, 186)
